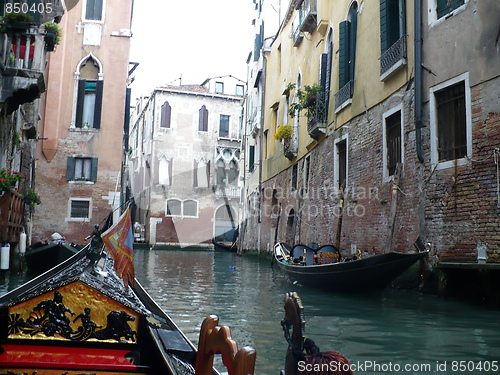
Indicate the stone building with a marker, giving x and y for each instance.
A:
(397, 102)
(184, 162)
(82, 121)
(23, 79)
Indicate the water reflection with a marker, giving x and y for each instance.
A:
(387, 327)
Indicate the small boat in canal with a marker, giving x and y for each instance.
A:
(41, 257)
(87, 315)
(324, 268)
(226, 246)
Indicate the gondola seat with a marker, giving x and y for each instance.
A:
(216, 339)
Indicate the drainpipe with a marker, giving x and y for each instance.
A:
(418, 78)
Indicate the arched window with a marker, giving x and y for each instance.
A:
(174, 207)
(203, 119)
(190, 208)
(166, 112)
(232, 173)
(201, 173)
(89, 93)
(220, 173)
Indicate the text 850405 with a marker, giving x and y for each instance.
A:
(27, 8)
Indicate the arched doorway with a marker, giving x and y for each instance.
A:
(225, 224)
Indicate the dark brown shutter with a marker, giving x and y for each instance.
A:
(79, 103)
(98, 104)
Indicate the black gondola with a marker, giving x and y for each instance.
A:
(300, 264)
(227, 246)
(41, 257)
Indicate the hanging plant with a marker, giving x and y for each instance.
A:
(32, 198)
(306, 99)
(9, 179)
(284, 131)
(54, 29)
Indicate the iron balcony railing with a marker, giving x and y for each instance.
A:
(307, 15)
(394, 54)
(317, 116)
(344, 94)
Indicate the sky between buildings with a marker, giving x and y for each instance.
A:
(192, 39)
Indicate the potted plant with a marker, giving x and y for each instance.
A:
(9, 179)
(53, 35)
(306, 99)
(32, 198)
(283, 132)
(17, 21)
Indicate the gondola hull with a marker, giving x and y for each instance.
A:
(363, 275)
(79, 318)
(224, 246)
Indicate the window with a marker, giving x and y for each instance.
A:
(220, 173)
(166, 112)
(201, 174)
(440, 9)
(392, 36)
(295, 180)
(447, 6)
(240, 90)
(203, 119)
(89, 103)
(165, 171)
(93, 10)
(307, 167)
(79, 209)
(174, 207)
(393, 143)
(451, 122)
(232, 173)
(224, 126)
(190, 208)
(341, 163)
(219, 87)
(81, 169)
(251, 158)
(347, 56)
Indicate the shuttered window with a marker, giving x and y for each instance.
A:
(342, 163)
(451, 122)
(251, 158)
(93, 10)
(166, 111)
(203, 119)
(89, 104)
(344, 37)
(391, 22)
(81, 169)
(447, 6)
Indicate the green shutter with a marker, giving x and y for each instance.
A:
(344, 37)
(389, 23)
(251, 158)
(98, 104)
(94, 170)
(70, 169)
(79, 103)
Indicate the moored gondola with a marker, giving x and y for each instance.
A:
(324, 268)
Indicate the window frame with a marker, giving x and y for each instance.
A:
(433, 19)
(80, 101)
(88, 20)
(228, 118)
(203, 119)
(71, 169)
(166, 207)
(336, 161)
(385, 151)
(70, 211)
(219, 87)
(166, 115)
(196, 215)
(434, 123)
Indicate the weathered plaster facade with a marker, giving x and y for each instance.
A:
(184, 161)
(82, 123)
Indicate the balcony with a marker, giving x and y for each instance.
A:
(22, 61)
(307, 15)
(317, 116)
(290, 148)
(11, 216)
(227, 191)
(392, 59)
(343, 96)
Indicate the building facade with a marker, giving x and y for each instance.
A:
(23, 79)
(380, 129)
(184, 166)
(82, 121)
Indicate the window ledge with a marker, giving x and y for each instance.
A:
(84, 130)
(82, 182)
(343, 105)
(79, 219)
(451, 163)
(393, 70)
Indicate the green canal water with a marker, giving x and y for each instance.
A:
(381, 333)
(388, 332)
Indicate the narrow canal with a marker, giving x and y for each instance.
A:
(381, 333)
